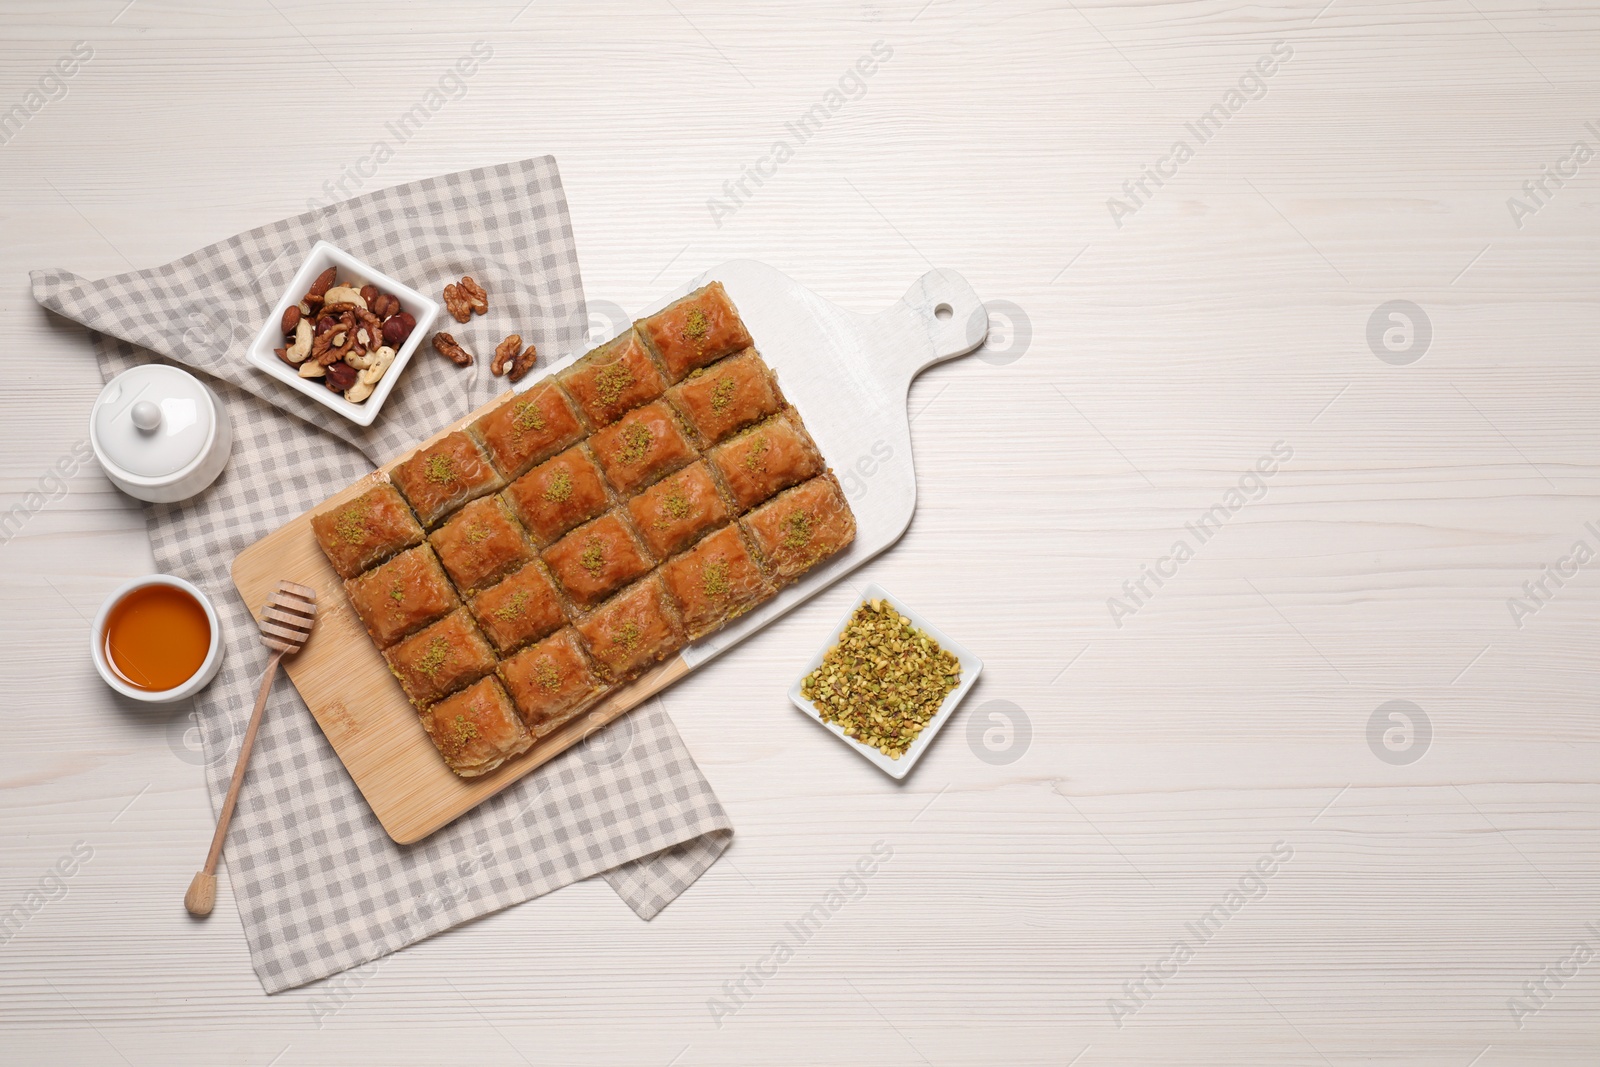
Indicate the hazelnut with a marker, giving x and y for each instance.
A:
(398, 328)
(384, 306)
(340, 376)
(369, 293)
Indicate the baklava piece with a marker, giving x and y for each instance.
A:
(402, 596)
(448, 473)
(520, 609)
(361, 533)
(632, 630)
(643, 445)
(727, 396)
(675, 512)
(551, 682)
(715, 581)
(437, 661)
(595, 560)
(558, 494)
(481, 544)
(528, 427)
(614, 378)
(699, 329)
(766, 458)
(478, 729)
(798, 529)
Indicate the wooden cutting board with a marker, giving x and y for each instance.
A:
(847, 373)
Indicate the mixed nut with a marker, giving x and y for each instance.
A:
(883, 681)
(464, 298)
(344, 334)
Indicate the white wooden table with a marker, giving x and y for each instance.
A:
(1143, 371)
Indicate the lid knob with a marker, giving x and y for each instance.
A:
(146, 416)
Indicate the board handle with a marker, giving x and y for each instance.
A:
(943, 317)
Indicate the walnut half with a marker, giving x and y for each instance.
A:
(447, 347)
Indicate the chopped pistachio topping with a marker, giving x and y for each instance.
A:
(437, 655)
(797, 530)
(714, 577)
(756, 458)
(695, 326)
(675, 504)
(479, 532)
(545, 673)
(612, 382)
(593, 557)
(883, 681)
(350, 526)
(397, 592)
(627, 635)
(463, 729)
(514, 606)
(722, 395)
(440, 468)
(560, 487)
(528, 417)
(636, 442)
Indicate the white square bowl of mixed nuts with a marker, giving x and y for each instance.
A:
(885, 682)
(342, 333)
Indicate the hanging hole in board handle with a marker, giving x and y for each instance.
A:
(949, 310)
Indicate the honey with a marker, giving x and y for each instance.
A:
(157, 637)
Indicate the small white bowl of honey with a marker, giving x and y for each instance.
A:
(157, 639)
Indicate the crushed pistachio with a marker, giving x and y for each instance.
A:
(350, 526)
(714, 577)
(547, 676)
(722, 395)
(612, 382)
(695, 326)
(636, 442)
(479, 532)
(593, 557)
(883, 681)
(560, 487)
(627, 635)
(673, 506)
(437, 655)
(756, 459)
(513, 607)
(463, 729)
(440, 468)
(528, 417)
(397, 592)
(797, 530)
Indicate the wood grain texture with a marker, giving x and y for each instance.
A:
(1164, 357)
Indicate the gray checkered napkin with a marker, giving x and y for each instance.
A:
(320, 886)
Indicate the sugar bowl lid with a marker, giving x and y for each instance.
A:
(153, 422)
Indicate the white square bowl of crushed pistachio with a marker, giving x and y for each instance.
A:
(885, 682)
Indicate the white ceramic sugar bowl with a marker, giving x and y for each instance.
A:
(160, 433)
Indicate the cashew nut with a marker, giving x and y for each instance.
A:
(312, 369)
(301, 348)
(344, 294)
(377, 365)
(383, 358)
